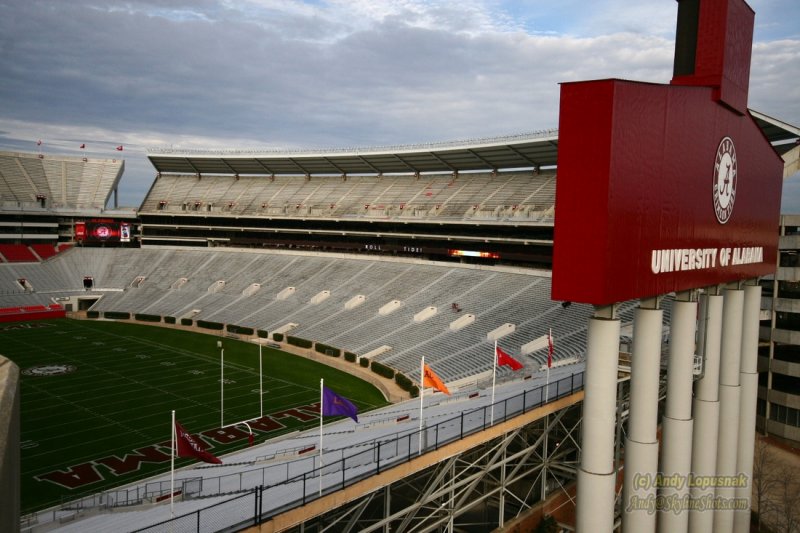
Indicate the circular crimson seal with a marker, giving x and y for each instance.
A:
(49, 370)
(725, 171)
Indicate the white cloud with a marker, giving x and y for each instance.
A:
(266, 73)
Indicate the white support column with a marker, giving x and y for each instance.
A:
(728, 435)
(596, 475)
(748, 379)
(641, 444)
(706, 409)
(677, 424)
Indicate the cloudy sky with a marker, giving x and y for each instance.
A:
(334, 73)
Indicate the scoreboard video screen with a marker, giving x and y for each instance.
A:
(102, 230)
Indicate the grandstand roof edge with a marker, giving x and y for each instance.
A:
(364, 150)
(524, 151)
(59, 157)
(527, 150)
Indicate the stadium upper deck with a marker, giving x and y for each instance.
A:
(37, 181)
(490, 200)
(460, 199)
(533, 150)
(514, 196)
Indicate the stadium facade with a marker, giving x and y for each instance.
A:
(478, 214)
(488, 205)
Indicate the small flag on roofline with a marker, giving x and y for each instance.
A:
(430, 379)
(119, 148)
(83, 145)
(503, 359)
(188, 446)
(335, 405)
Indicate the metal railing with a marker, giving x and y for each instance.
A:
(263, 501)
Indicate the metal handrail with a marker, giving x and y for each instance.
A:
(308, 480)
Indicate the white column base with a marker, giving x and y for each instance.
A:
(676, 464)
(595, 505)
(595, 496)
(639, 492)
(747, 437)
(704, 463)
(726, 453)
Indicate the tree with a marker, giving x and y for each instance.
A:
(765, 480)
(787, 505)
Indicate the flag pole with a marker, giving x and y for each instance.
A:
(221, 384)
(321, 410)
(547, 385)
(549, 362)
(260, 382)
(494, 374)
(421, 394)
(172, 469)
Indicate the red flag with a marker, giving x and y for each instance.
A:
(119, 148)
(550, 348)
(430, 379)
(39, 142)
(83, 145)
(188, 446)
(503, 359)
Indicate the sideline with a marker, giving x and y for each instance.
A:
(391, 391)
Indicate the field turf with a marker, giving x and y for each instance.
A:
(115, 405)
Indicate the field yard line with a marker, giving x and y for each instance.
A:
(127, 378)
(86, 409)
(195, 354)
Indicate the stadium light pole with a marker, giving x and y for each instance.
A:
(221, 384)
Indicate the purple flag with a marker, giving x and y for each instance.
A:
(333, 404)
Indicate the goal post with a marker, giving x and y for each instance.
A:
(222, 423)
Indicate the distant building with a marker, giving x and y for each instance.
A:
(779, 361)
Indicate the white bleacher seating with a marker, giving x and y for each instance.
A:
(518, 195)
(494, 297)
(65, 182)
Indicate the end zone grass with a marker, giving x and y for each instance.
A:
(125, 380)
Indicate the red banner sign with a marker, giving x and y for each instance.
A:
(659, 189)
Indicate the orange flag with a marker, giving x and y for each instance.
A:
(432, 380)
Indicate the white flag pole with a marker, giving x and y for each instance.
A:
(221, 384)
(321, 410)
(549, 361)
(547, 386)
(260, 382)
(172, 469)
(494, 374)
(421, 394)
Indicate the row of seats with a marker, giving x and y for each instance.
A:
(250, 288)
(21, 253)
(507, 195)
(57, 181)
(29, 309)
(243, 287)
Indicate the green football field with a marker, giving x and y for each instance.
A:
(97, 399)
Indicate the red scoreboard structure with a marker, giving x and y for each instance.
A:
(663, 188)
(670, 189)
